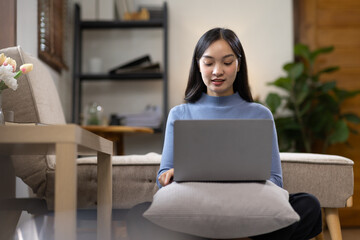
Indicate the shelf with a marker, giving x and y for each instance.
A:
(152, 23)
(123, 76)
(158, 20)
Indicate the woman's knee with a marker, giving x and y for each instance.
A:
(312, 201)
(314, 206)
(305, 201)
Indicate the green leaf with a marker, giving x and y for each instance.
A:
(294, 70)
(328, 70)
(302, 50)
(344, 94)
(2, 85)
(323, 50)
(273, 101)
(302, 94)
(340, 133)
(328, 103)
(325, 87)
(352, 118)
(320, 122)
(287, 123)
(288, 66)
(305, 109)
(284, 83)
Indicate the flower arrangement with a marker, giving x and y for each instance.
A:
(8, 74)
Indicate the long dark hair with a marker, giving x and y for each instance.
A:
(195, 86)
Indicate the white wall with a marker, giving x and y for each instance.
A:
(264, 28)
(27, 38)
(26, 32)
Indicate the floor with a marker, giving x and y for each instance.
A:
(40, 228)
(347, 233)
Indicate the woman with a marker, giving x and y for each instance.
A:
(218, 88)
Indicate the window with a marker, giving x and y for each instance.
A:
(51, 15)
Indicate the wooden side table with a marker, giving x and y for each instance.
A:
(116, 134)
(66, 141)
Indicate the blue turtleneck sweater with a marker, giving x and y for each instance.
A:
(228, 107)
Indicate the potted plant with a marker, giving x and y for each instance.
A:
(308, 114)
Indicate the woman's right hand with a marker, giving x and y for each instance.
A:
(166, 177)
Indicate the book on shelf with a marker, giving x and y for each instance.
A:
(146, 68)
(122, 7)
(138, 65)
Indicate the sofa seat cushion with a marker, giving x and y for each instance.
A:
(134, 180)
(328, 177)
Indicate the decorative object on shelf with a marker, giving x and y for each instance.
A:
(8, 77)
(311, 117)
(121, 6)
(116, 120)
(124, 11)
(142, 15)
(93, 114)
(95, 65)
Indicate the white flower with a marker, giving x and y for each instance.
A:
(7, 76)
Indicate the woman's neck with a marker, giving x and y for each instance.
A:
(220, 101)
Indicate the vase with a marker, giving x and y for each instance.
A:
(93, 114)
(2, 119)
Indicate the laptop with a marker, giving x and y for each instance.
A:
(223, 150)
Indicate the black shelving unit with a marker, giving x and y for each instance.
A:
(79, 76)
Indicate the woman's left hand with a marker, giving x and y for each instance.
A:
(166, 177)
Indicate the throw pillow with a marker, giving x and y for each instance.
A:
(222, 210)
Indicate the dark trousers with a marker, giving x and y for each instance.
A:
(306, 205)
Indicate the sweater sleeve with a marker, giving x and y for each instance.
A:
(167, 161)
(276, 171)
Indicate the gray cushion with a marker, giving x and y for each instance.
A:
(222, 210)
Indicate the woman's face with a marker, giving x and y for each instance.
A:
(219, 66)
